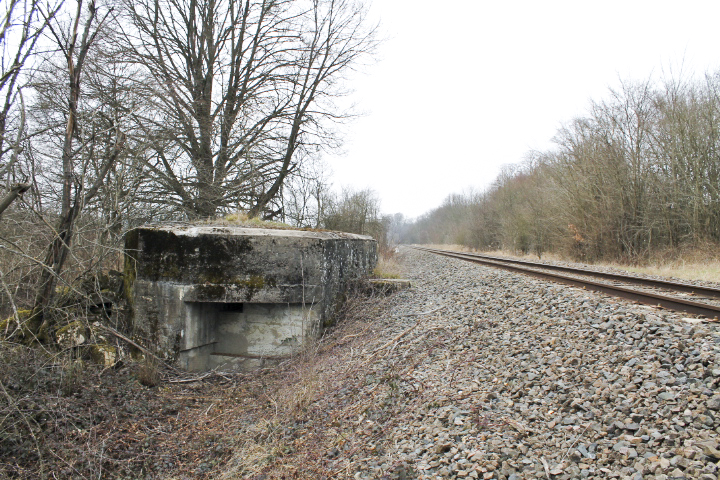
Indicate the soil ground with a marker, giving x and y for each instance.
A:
(77, 420)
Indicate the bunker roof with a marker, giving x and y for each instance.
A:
(192, 230)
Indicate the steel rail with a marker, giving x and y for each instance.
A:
(696, 308)
(680, 287)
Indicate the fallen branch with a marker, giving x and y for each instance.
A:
(350, 336)
(408, 330)
(255, 357)
(191, 380)
(136, 345)
(401, 334)
(546, 467)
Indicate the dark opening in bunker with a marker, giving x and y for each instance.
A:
(221, 334)
(231, 307)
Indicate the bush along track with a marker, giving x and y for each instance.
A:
(471, 373)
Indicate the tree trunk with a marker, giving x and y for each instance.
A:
(15, 191)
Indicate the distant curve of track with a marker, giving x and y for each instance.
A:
(570, 277)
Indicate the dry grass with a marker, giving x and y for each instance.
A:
(691, 264)
(708, 270)
(149, 372)
(298, 409)
(388, 267)
(242, 220)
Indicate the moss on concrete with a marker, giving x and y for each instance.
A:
(27, 326)
(103, 354)
(210, 292)
(72, 335)
(166, 256)
(253, 284)
(215, 288)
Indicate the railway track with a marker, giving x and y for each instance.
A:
(618, 286)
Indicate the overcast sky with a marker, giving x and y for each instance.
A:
(461, 87)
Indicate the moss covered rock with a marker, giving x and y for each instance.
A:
(73, 334)
(103, 354)
(22, 326)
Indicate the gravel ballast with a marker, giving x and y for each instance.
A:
(489, 374)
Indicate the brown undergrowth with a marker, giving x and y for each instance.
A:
(388, 266)
(300, 428)
(69, 419)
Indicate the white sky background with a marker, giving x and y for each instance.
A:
(462, 87)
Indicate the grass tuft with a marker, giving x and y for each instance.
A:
(149, 372)
(388, 267)
(241, 219)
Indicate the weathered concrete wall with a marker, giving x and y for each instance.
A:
(198, 292)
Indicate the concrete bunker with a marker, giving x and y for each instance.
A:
(211, 296)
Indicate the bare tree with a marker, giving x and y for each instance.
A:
(74, 45)
(242, 88)
(637, 176)
(356, 212)
(22, 25)
(305, 197)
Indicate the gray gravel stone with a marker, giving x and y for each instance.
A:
(509, 374)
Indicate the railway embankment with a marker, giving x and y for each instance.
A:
(504, 376)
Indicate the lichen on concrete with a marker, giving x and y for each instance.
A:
(103, 354)
(21, 326)
(73, 334)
